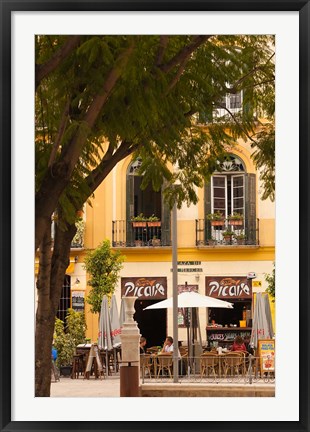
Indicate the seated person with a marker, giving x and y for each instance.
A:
(168, 346)
(238, 344)
(142, 345)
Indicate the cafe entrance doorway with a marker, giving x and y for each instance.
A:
(152, 323)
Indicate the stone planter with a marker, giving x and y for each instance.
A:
(217, 222)
(139, 224)
(154, 224)
(236, 222)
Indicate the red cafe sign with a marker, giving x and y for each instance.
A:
(144, 288)
(232, 287)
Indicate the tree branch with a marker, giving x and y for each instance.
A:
(184, 53)
(62, 127)
(41, 71)
(105, 167)
(163, 42)
(71, 152)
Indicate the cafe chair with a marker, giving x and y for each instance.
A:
(77, 365)
(146, 364)
(183, 361)
(208, 364)
(233, 363)
(164, 363)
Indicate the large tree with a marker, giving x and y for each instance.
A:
(102, 98)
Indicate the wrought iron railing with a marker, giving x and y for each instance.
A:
(213, 369)
(226, 232)
(139, 234)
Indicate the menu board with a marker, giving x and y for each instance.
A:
(218, 336)
(78, 300)
(266, 352)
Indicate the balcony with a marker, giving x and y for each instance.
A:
(139, 234)
(226, 233)
(146, 234)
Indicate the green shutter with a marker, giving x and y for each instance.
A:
(250, 208)
(207, 207)
(207, 198)
(129, 208)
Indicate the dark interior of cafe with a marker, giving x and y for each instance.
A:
(240, 312)
(152, 323)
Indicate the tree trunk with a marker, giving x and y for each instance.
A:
(52, 270)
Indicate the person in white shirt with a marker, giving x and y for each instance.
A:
(168, 346)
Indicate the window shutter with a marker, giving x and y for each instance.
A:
(129, 207)
(207, 198)
(208, 207)
(250, 208)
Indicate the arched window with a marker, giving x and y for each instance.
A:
(232, 190)
(227, 187)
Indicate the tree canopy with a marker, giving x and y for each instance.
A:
(100, 98)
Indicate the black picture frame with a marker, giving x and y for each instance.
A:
(7, 7)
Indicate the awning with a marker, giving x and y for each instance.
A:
(69, 269)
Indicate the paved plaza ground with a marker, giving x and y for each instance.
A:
(110, 387)
(80, 387)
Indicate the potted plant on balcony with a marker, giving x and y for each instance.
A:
(235, 219)
(227, 235)
(212, 241)
(155, 241)
(240, 238)
(216, 219)
(139, 221)
(153, 221)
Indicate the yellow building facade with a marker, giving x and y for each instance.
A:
(203, 266)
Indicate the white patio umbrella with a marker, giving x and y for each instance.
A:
(115, 327)
(262, 323)
(104, 336)
(190, 299)
(115, 324)
(268, 315)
